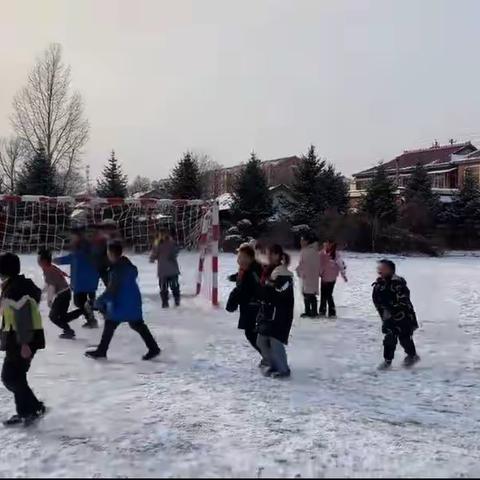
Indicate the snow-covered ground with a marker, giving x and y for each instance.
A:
(205, 410)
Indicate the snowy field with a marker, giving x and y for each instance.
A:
(204, 409)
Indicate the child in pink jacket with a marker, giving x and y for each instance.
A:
(331, 266)
(308, 271)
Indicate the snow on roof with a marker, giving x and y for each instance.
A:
(225, 201)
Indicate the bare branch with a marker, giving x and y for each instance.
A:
(12, 152)
(46, 113)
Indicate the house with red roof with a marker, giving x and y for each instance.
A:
(446, 164)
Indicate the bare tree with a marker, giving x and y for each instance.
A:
(140, 184)
(11, 160)
(207, 167)
(46, 113)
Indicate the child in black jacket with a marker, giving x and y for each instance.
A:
(276, 315)
(391, 298)
(245, 293)
(21, 336)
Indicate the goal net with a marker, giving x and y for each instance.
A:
(29, 223)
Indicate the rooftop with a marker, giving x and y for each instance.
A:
(435, 155)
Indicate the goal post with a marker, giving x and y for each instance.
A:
(29, 223)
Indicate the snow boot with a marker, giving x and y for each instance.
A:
(33, 417)
(67, 334)
(152, 354)
(263, 364)
(385, 365)
(95, 354)
(411, 360)
(269, 372)
(281, 375)
(90, 324)
(12, 421)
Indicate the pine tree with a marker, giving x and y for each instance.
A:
(422, 207)
(38, 176)
(419, 189)
(114, 183)
(251, 197)
(185, 180)
(333, 189)
(466, 205)
(308, 196)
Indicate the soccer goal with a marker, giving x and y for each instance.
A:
(29, 223)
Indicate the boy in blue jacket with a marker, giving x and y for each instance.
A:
(122, 302)
(84, 279)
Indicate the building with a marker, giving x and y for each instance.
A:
(277, 172)
(446, 164)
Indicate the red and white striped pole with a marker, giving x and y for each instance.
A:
(203, 250)
(215, 245)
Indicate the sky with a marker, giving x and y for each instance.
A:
(362, 80)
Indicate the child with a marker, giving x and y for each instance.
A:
(309, 271)
(21, 336)
(122, 302)
(84, 278)
(331, 265)
(165, 253)
(276, 315)
(245, 293)
(391, 298)
(58, 293)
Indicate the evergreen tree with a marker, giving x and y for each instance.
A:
(114, 183)
(422, 206)
(465, 207)
(307, 192)
(38, 176)
(380, 200)
(251, 198)
(185, 180)
(334, 189)
(419, 189)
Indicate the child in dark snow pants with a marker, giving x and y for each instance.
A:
(165, 253)
(391, 298)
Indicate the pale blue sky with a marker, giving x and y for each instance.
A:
(361, 79)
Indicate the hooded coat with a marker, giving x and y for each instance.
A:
(308, 269)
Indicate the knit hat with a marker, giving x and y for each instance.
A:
(9, 265)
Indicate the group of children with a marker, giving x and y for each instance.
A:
(264, 295)
(90, 260)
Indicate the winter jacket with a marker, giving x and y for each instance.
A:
(391, 298)
(55, 282)
(245, 295)
(277, 303)
(99, 254)
(21, 319)
(121, 301)
(83, 271)
(309, 269)
(165, 254)
(330, 267)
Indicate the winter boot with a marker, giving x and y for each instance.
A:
(67, 334)
(385, 365)
(95, 354)
(13, 420)
(33, 417)
(280, 375)
(152, 354)
(411, 360)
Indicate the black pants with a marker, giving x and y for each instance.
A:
(104, 274)
(14, 377)
(139, 326)
(311, 304)
(172, 284)
(251, 335)
(326, 297)
(80, 299)
(390, 344)
(59, 310)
